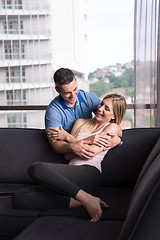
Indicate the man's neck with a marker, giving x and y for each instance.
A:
(71, 104)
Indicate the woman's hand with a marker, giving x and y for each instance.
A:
(57, 134)
(106, 140)
(113, 141)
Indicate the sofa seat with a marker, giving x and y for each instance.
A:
(58, 228)
(13, 221)
(141, 223)
(117, 198)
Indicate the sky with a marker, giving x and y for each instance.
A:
(110, 32)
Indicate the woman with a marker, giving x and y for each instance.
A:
(76, 184)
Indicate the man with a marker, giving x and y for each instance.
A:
(70, 105)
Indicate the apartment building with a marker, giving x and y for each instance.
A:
(38, 37)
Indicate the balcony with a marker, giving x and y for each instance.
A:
(25, 8)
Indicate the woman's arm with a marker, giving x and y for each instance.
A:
(62, 135)
(106, 136)
(79, 148)
(98, 142)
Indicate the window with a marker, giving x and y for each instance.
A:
(15, 74)
(8, 51)
(21, 27)
(16, 97)
(12, 4)
(14, 51)
(18, 4)
(9, 97)
(8, 4)
(17, 120)
(13, 27)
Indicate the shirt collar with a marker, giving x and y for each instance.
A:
(65, 106)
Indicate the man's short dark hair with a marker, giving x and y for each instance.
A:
(63, 76)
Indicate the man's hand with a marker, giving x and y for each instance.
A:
(82, 149)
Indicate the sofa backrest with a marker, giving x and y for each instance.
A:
(152, 156)
(122, 165)
(143, 218)
(21, 147)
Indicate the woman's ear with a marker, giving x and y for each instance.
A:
(113, 119)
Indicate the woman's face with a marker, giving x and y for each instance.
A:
(105, 111)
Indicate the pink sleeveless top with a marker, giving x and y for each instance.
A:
(95, 161)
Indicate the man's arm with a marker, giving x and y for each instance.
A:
(83, 148)
(109, 138)
(79, 148)
(60, 139)
(71, 144)
(110, 130)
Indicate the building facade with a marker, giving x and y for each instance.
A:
(37, 38)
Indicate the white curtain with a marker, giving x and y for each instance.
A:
(158, 75)
(146, 63)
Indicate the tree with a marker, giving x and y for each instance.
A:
(126, 81)
(99, 88)
(112, 78)
(130, 92)
(129, 76)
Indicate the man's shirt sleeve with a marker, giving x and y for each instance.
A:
(52, 118)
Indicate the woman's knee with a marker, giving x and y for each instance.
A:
(35, 169)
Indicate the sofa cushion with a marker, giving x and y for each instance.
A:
(13, 221)
(8, 189)
(122, 165)
(21, 147)
(2, 237)
(117, 198)
(67, 228)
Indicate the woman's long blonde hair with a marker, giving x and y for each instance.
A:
(119, 108)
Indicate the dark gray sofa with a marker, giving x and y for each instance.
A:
(130, 186)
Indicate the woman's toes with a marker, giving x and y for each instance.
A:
(104, 204)
(95, 218)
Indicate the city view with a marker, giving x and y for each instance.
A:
(118, 78)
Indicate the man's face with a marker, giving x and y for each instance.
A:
(69, 92)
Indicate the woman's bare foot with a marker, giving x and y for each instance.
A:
(74, 203)
(91, 204)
